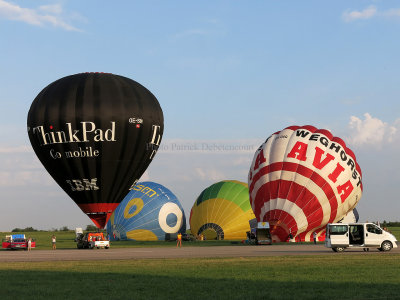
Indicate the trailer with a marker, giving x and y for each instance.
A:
(263, 234)
(259, 233)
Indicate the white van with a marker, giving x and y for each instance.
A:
(340, 236)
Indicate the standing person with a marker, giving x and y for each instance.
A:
(179, 240)
(290, 237)
(29, 244)
(315, 237)
(53, 242)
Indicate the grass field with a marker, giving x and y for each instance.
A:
(292, 277)
(301, 277)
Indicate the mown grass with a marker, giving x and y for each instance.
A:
(301, 277)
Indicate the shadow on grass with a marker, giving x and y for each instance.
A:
(18, 284)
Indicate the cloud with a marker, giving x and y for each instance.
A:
(24, 178)
(372, 131)
(368, 13)
(16, 149)
(19, 167)
(42, 16)
(52, 8)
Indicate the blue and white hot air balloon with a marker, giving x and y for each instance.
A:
(147, 213)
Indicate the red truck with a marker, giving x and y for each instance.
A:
(17, 241)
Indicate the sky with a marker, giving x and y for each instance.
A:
(227, 75)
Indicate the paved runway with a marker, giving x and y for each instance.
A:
(184, 252)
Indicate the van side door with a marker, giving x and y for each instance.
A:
(339, 235)
(373, 235)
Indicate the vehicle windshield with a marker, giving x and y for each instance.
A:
(19, 240)
(374, 229)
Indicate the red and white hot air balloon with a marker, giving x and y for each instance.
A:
(301, 179)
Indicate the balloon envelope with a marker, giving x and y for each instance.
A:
(351, 217)
(147, 213)
(95, 133)
(222, 211)
(301, 179)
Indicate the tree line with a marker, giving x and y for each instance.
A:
(390, 224)
(63, 228)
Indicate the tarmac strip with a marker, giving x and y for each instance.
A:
(172, 252)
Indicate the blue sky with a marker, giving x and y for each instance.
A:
(225, 73)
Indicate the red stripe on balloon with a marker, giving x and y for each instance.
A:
(320, 231)
(300, 169)
(298, 194)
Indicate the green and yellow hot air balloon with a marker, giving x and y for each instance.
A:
(222, 211)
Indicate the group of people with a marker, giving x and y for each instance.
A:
(53, 243)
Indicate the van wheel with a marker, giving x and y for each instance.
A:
(334, 249)
(339, 249)
(386, 246)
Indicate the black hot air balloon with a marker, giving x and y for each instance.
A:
(96, 134)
